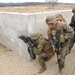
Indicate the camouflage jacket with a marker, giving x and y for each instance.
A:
(42, 46)
(66, 31)
(73, 19)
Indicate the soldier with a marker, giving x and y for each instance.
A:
(44, 49)
(59, 35)
(72, 24)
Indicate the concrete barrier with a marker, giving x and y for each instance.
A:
(14, 24)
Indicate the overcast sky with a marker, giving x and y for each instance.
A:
(63, 1)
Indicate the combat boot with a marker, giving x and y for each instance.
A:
(60, 65)
(42, 69)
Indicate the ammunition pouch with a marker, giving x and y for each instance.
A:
(49, 50)
(62, 39)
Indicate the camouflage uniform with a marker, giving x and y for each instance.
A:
(73, 21)
(59, 17)
(73, 18)
(44, 50)
(65, 36)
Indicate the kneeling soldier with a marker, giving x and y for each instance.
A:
(44, 49)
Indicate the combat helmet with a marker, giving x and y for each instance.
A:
(50, 19)
(34, 35)
(73, 10)
(59, 17)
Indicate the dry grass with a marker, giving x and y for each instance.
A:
(32, 9)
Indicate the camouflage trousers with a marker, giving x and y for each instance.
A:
(65, 51)
(61, 57)
(42, 58)
(72, 41)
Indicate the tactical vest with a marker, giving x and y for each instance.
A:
(53, 32)
(49, 49)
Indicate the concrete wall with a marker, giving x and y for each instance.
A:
(14, 24)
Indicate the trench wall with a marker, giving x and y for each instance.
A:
(14, 24)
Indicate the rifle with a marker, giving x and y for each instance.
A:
(58, 46)
(31, 43)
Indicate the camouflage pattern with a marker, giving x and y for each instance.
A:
(65, 37)
(72, 21)
(50, 19)
(73, 10)
(44, 51)
(72, 41)
(43, 45)
(73, 18)
(34, 35)
(59, 17)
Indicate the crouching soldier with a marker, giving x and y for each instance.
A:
(59, 35)
(44, 49)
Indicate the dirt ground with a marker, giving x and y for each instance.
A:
(33, 9)
(12, 64)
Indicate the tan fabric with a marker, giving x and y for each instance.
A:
(53, 31)
(50, 19)
(66, 33)
(49, 50)
(35, 35)
(59, 17)
(44, 45)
